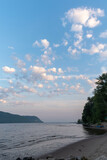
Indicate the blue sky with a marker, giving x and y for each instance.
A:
(51, 53)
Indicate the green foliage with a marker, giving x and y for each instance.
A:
(79, 121)
(95, 110)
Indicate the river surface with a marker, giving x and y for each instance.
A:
(33, 139)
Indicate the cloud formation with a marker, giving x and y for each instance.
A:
(8, 69)
(84, 16)
(50, 72)
(43, 43)
(28, 57)
(103, 34)
(11, 47)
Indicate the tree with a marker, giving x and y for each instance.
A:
(96, 108)
(88, 111)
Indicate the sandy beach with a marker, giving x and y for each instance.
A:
(92, 148)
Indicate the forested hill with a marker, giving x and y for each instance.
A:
(13, 118)
(95, 110)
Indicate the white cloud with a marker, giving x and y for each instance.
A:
(79, 37)
(63, 22)
(60, 70)
(56, 45)
(92, 22)
(36, 69)
(78, 88)
(53, 58)
(84, 16)
(89, 35)
(28, 89)
(104, 69)
(48, 51)
(72, 51)
(95, 49)
(39, 73)
(56, 84)
(40, 85)
(76, 28)
(91, 82)
(103, 55)
(19, 62)
(8, 69)
(36, 43)
(45, 43)
(6, 92)
(99, 48)
(65, 42)
(24, 70)
(49, 77)
(45, 59)
(77, 15)
(52, 70)
(2, 101)
(28, 57)
(11, 47)
(103, 34)
(10, 81)
(73, 69)
(69, 77)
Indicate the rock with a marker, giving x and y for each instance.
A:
(74, 158)
(84, 158)
(71, 157)
(18, 158)
(49, 156)
(28, 158)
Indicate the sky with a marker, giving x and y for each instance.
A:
(51, 53)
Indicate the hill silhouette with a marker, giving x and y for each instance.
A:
(14, 118)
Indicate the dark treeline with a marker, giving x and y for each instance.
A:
(95, 110)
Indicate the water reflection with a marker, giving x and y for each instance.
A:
(94, 131)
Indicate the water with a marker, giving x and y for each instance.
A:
(20, 140)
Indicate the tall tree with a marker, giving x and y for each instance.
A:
(96, 108)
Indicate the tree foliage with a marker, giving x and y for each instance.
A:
(95, 109)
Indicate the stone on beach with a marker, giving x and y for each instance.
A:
(18, 158)
(28, 158)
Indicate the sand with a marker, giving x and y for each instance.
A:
(92, 148)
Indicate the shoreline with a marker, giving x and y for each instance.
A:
(91, 148)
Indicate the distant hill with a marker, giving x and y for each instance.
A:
(14, 118)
